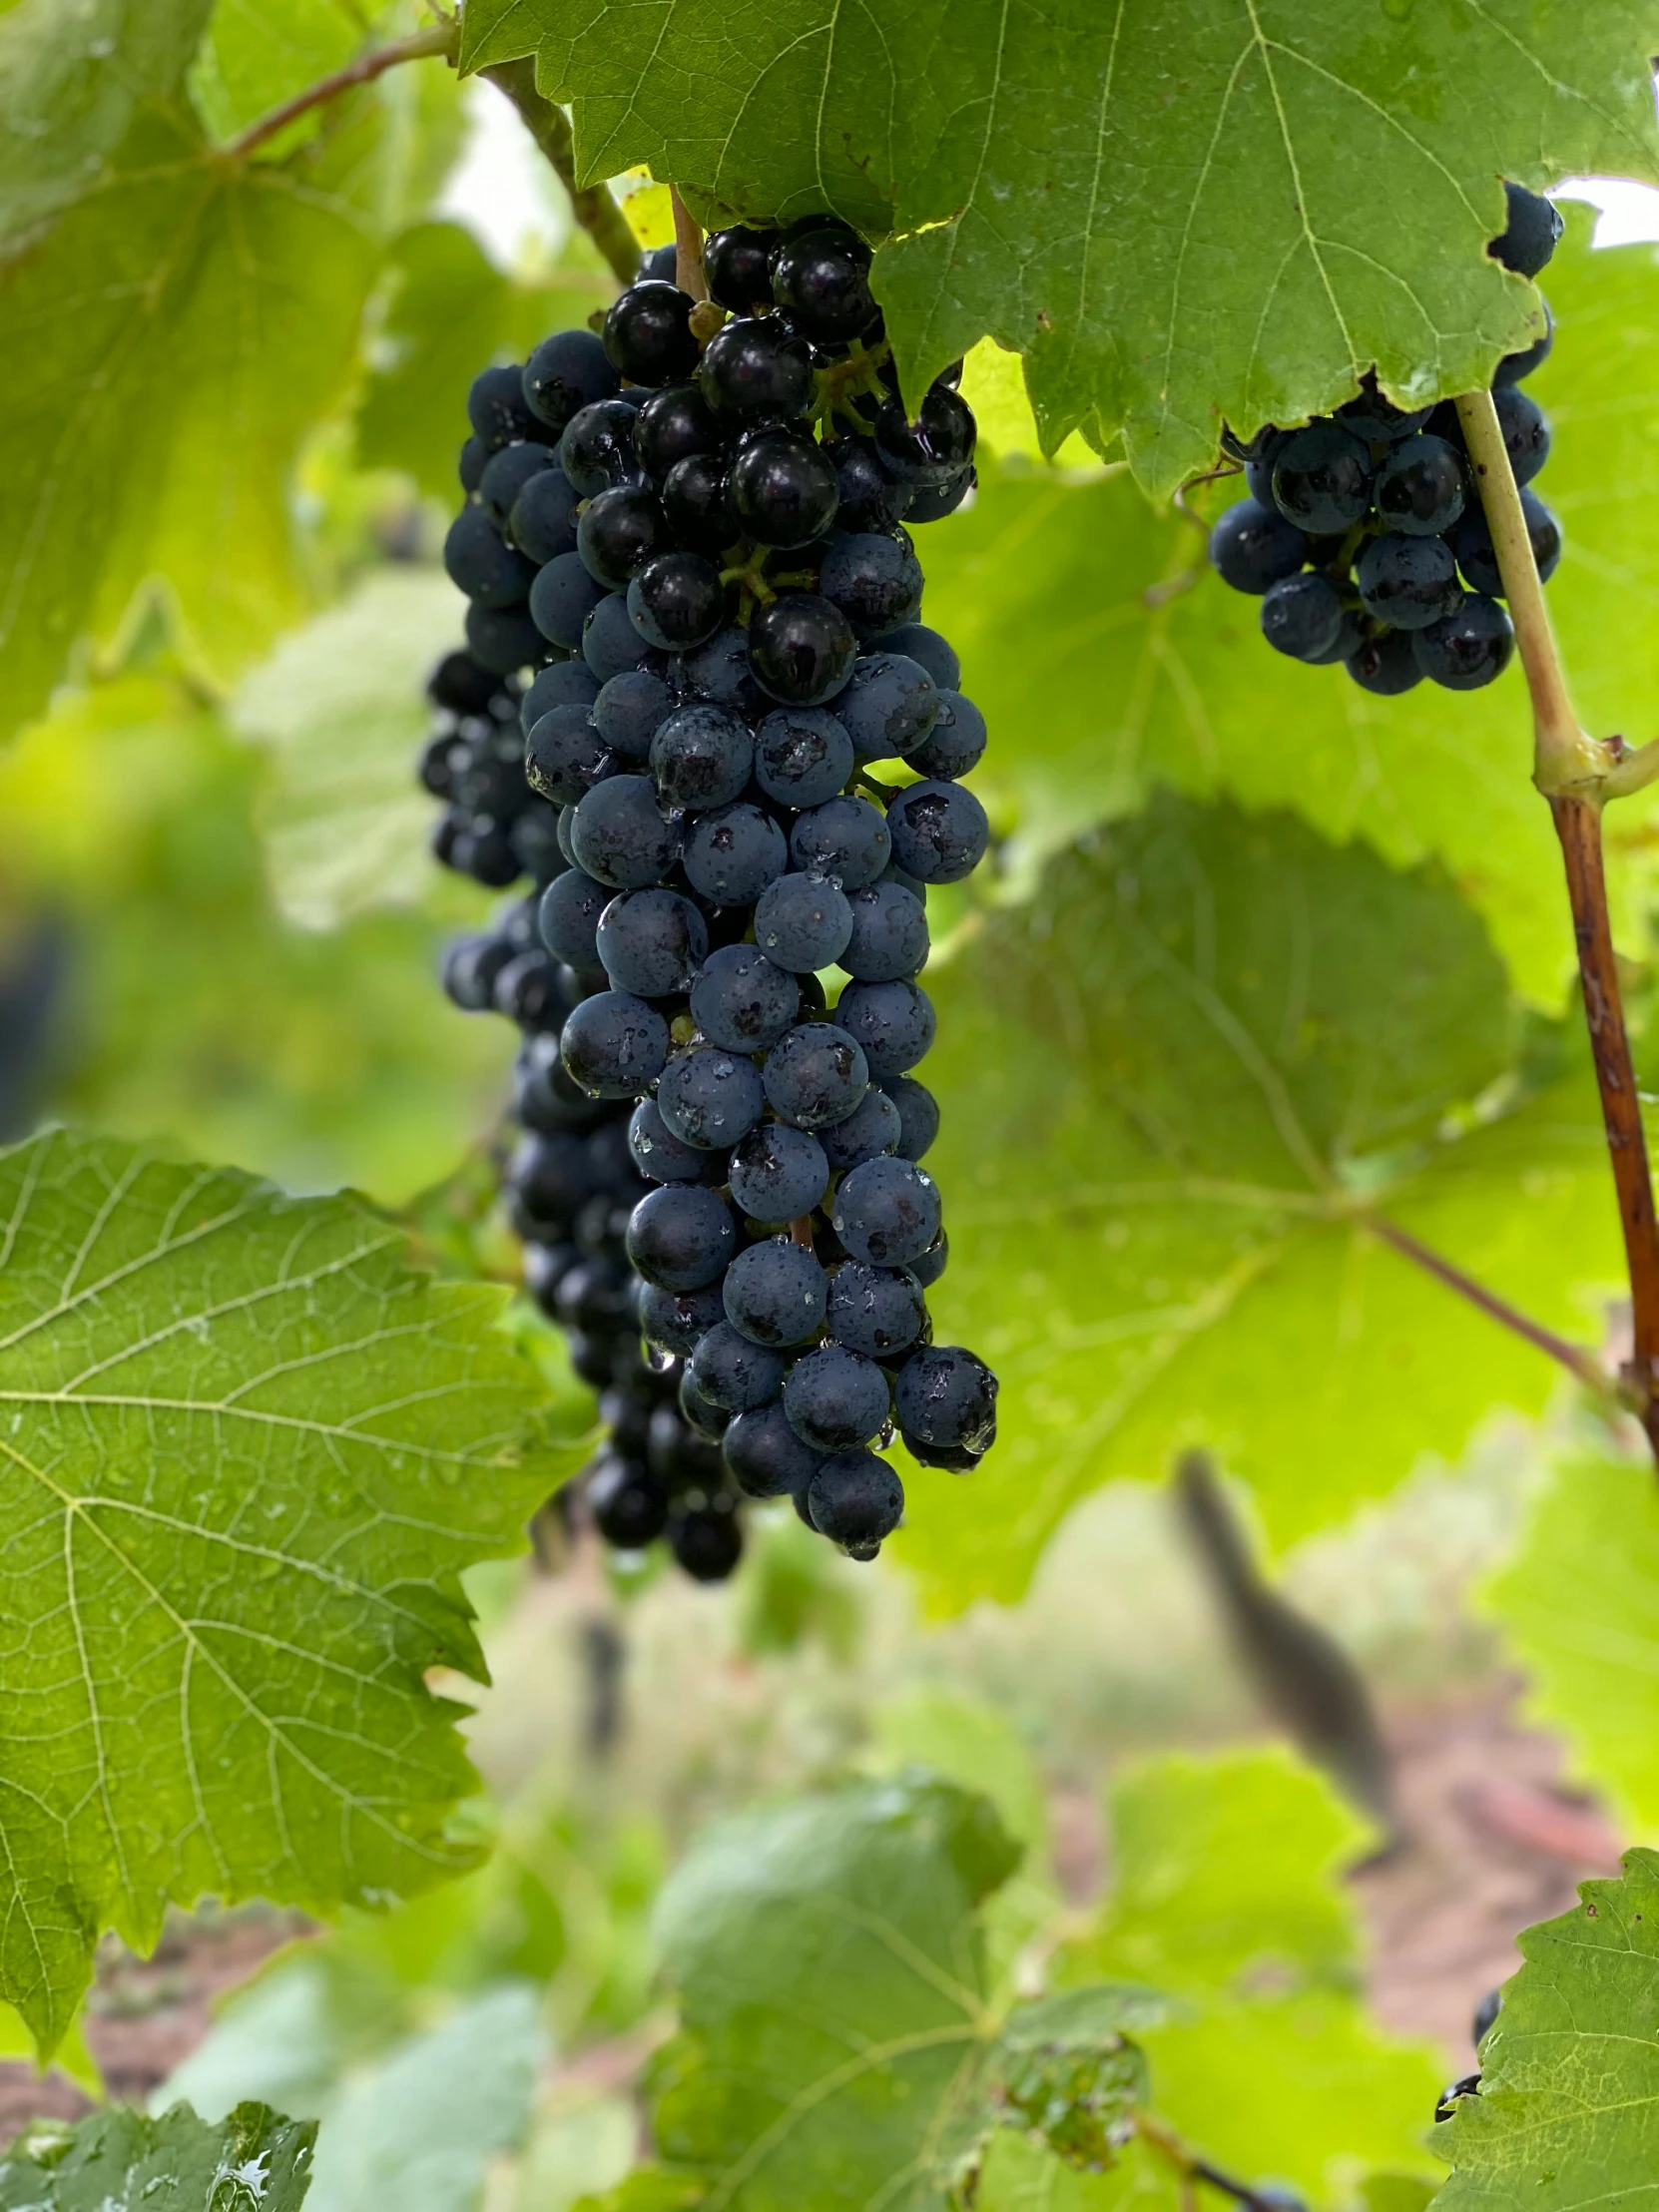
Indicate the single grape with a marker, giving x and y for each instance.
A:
(1408, 582)
(629, 1505)
(1531, 232)
(611, 646)
(700, 1413)
(756, 368)
(822, 277)
(565, 757)
(856, 1501)
(628, 710)
(887, 1212)
(801, 649)
(1303, 616)
(471, 967)
(566, 374)
(504, 639)
(737, 265)
(833, 1398)
(1261, 462)
(888, 706)
(869, 1131)
(1478, 559)
(1321, 479)
(919, 1114)
(677, 601)
(932, 1262)
(620, 529)
(480, 562)
(614, 1045)
(700, 758)
(732, 854)
(845, 840)
(874, 580)
(1385, 665)
(672, 425)
(562, 598)
(461, 685)
(766, 1457)
(938, 830)
(1376, 420)
(784, 489)
(945, 1397)
(550, 1175)
(542, 523)
(874, 1311)
(677, 1320)
(956, 745)
(803, 755)
(534, 837)
(890, 936)
(544, 1097)
(934, 448)
(505, 475)
(651, 943)
(815, 1076)
(1486, 2017)
(682, 1236)
(1447, 2106)
(931, 503)
(706, 1540)
(778, 1173)
(868, 495)
(697, 500)
(648, 336)
(720, 671)
(917, 643)
(709, 1098)
(735, 1374)
(1253, 546)
(1517, 365)
(474, 459)
(774, 1292)
(597, 450)
(495, 408)
(619, 834)
(661, 1156)
(1421, 488)
(892, 1021)
(565, 684)
(1469, 647)
(742, 1000)
(1525, 431)
(803, 923)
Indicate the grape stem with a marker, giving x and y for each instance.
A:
(1190, 2168)
(436, 39)
(592, 205)
(1577, 774)
(687, 248)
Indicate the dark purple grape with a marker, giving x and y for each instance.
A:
(737, 265)
(938, 446)
(801, 649)
(566, 374)
(619, 531)
(822, 277)
(677, 601)
(1385, 665)
(673, 424)
(648, 335)
(784, 489)
(597, 448)
(757, 367)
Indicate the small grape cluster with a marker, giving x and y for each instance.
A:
(691, 524)
(1362, 536)
(570, 1182)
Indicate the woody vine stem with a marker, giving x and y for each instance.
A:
(1577, 775)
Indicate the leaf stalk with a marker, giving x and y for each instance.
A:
(439, 39)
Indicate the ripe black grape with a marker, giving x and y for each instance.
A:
(648, 336)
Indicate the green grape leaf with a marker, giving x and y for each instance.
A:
(251, 58)
(1580, 1605)
(1226, 1895)
(340, 710)
(1174, 1089)
(451, 312)
(1107, 659)
(1568, 2111)
(1176, 223)
(168, 399)
(120, 2162)
(837, 2036)
(248, 1453)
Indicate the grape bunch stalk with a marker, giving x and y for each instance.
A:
(690, 525)
(1362, 535)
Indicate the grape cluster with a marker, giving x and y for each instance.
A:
(570, 1181)
(1362, 535)
(692, 525)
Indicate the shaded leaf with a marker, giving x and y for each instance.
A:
(1173, 1089)
(249, 1453)
(1580, 1606)
(1176, 222)
(1226, 1895)
(1568, 2111)
(120, 2162)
